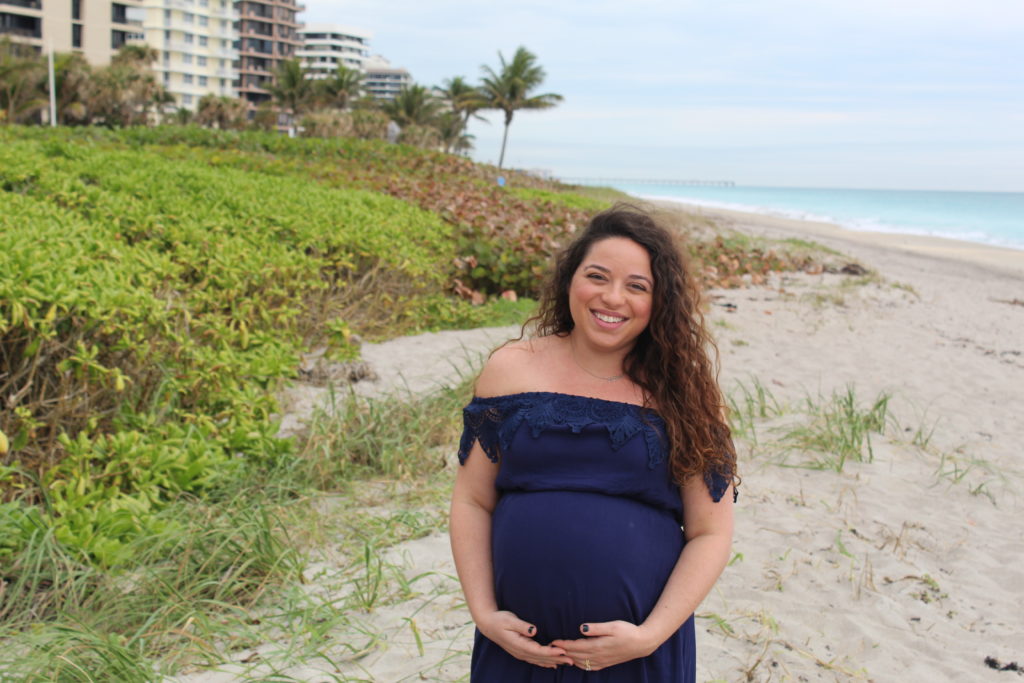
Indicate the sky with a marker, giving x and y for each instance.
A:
(889, 94)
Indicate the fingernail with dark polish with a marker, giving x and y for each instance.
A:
(530, 630)
(586, 628)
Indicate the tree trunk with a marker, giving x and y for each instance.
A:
(504, 139)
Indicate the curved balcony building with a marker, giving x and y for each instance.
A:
(325, 46)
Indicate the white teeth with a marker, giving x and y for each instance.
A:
(608, 318)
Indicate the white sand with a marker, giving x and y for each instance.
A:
(885, 571)
(404, 366)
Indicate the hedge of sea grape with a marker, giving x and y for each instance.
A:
(502, 239)
(149, 305)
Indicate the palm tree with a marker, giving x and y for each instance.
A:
(453, 133)
(464, 99)
(509, 88)
(415, 104)
(292, 91)
(135, 55)
(72, 77)
(123, 92)
(344, 85)
(463, 102)
(221, 112)
(21, 76)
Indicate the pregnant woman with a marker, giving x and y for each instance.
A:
(592, 511)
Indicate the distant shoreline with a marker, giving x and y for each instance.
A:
(991, 219)
(990, 259)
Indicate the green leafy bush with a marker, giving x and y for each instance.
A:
(150, 305)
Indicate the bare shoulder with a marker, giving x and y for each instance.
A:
(510, 369)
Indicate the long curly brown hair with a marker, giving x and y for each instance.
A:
(674, 359)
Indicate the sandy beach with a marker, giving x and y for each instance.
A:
(903, 567)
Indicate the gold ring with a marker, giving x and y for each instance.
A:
(586, 663)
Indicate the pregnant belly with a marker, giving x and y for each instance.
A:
(562, 558)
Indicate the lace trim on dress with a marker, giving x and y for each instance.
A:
(717, 486)
(493, 421)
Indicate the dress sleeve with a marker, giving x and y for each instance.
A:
(717, 484)
(719, 478)
(481, 420)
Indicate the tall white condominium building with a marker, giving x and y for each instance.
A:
(325, 46)
(96, 29)
(195, 39)
(382, 80)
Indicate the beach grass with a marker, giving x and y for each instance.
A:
(839, 429)
(229, 572)
(827, 431)
(748, 404)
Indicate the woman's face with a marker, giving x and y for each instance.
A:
(611, 294)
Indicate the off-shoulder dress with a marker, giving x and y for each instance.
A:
(586, 528)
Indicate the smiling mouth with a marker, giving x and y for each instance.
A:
(607, 318)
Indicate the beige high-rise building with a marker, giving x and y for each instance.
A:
(195, 40)
(94, 28)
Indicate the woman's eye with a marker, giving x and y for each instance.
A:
(596, 276)
(638, 287)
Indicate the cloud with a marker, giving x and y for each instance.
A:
(730, 75)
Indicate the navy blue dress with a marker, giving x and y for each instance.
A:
(587, 528)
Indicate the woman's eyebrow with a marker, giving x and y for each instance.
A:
(634, 276)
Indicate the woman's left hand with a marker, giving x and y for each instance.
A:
(607, 644)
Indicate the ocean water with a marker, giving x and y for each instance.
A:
(995, 218)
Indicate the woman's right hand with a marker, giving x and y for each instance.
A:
(515, 636)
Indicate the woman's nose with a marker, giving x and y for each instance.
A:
(613, 295)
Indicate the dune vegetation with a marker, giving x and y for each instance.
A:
(157, 288)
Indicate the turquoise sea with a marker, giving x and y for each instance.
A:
(988, 217)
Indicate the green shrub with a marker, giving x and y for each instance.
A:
(150, 305)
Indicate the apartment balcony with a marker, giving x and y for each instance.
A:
(225, 33)
(243, 53)
(24, 4)
(181, 46)
(257, 12)
(228, 13)
(21, 32)
(254, 89)
(264, 49)
(264, 71)
(194, 88)
(179, 24)
(258, 35)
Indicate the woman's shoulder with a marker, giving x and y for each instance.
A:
(514, 368)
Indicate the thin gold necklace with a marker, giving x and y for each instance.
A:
(572, 348)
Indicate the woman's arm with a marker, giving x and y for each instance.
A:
(708, 528)
(473, 502)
